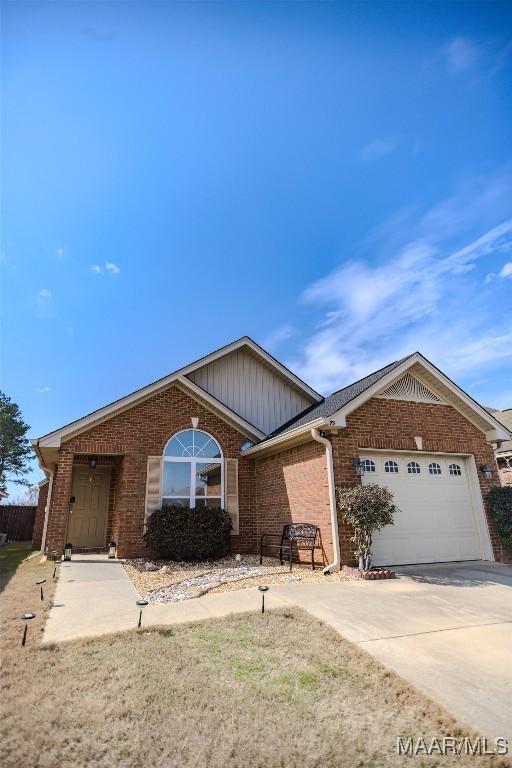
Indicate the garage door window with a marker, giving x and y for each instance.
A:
(368, 465)
(434, 468)
(413, 468)
(455, 470)
(391, 466)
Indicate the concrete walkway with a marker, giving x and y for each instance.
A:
(446, 629)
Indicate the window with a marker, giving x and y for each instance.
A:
(434, 469)
(391, 466)
(193, 473)
(413, 468)
(455, 469)
(368, 465)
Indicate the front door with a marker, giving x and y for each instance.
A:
(88, 514)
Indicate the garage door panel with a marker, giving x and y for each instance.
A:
(436, 521)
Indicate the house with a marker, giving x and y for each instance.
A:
(503, 452)
(238, 429)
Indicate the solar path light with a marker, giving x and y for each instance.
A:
(141, 604)
(263, 588)
(40, 584)
(68, 550)
(26, 618)
(112, 547)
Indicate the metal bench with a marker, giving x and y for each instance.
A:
(295, 537)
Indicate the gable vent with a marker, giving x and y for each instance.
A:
(409, 388)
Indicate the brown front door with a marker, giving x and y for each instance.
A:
(88, 514)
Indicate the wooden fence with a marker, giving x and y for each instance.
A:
(17, 521)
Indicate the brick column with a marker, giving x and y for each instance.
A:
(59, 503)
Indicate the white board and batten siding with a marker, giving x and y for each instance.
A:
(251, 389)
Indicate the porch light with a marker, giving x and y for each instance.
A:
(112, 548)
(486, 471)
(26, 618)
(68, 550)
(40, 584)
(92, 462)
(358, 466)
(263, 588)
(141, 604)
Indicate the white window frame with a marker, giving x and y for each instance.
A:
(454, 470)
(194, 461)
(391, 467)
(438, 469)
(413, 468)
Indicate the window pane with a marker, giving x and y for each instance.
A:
(176, 478)
(206, 446)
(181, 444)
(208, 479)
(175, 502)
(211, 503)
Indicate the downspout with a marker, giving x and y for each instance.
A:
(51, 472)
(335, 565)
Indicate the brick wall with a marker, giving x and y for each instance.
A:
(393, 424)
(130, 437)
(291, 487)
(37, 535)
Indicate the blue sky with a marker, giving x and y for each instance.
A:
(334, 180)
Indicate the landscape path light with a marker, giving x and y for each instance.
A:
(26, 618)
(112, 548)
(263, 588)
(40, 584)
(141, 604)
(68, 550)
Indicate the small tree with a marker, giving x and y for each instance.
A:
(500, 505)
(15, 448)
(367, 508)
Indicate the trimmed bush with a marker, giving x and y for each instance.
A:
(500, 506)
(180, 533)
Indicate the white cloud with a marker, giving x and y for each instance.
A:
(507, 270)
(109, 267)
(277, 337)
(421, 295)
(43, 389)
(377, 149)
(461, 54)
(44, 301)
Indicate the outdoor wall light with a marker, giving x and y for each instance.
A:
(263, 588)
(112, 548)
(68, 550)
(358, 466)
(141, 604)
(92, 462)
(486, 471)
(40, 584)
(26, 618)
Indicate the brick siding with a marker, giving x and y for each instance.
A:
(393, 424)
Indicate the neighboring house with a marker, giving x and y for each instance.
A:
(238, 429)
(503, 452)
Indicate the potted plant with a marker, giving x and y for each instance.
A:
(367, 508)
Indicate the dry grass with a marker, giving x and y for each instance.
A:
(252, 691)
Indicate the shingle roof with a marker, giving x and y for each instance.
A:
(337, 400)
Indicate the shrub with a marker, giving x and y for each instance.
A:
(500, 506)
(180, 533)
(367, 508)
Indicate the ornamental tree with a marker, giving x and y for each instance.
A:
(15, 448)
(367, 508)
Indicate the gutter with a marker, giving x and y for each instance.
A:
(335, 565)
(284, 436)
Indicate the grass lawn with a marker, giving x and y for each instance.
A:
(11, 556)
(281, 690)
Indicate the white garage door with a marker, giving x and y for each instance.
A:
(437, 521)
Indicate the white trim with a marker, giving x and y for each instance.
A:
(47, 510)
(285, 436)
(53, 439)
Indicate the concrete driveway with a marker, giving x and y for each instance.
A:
(445, 628)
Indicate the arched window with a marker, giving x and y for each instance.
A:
(368, 465)
(455, 470)
(193, 474)
(391, 466)
(434, 468)
(413, 468)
